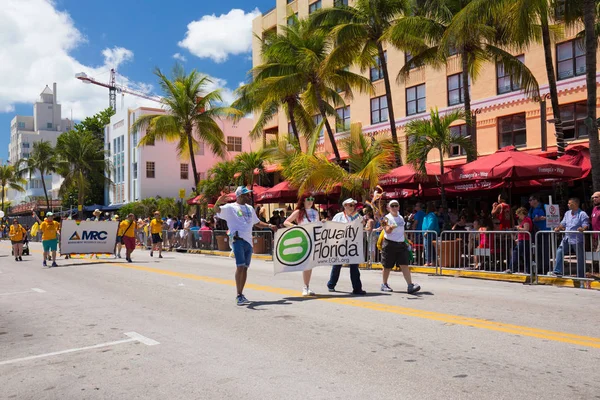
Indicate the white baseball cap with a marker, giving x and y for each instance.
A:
(241, 190)
(394, 202)
(349, 201)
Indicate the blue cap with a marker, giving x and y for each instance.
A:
(241, 190)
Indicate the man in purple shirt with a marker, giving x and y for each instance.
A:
(574, 222)
(596, 219)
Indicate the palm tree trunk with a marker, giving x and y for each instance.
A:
(291, 107)
(188, 133)
(471, 132)
(560, 140)
(591, 46)
(80, 199)
(388, 96)
(45, 192)
(336, 151)
(442, 187)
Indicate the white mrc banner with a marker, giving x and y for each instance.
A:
(88, 237)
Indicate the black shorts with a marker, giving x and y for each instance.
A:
(156, 238)
(394, 254)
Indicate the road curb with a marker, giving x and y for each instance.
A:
(226, 254)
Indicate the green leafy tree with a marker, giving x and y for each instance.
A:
(220, 176)
(362, 27)
(190, 118)
(11, 178)
(168, 206)
(249, 162)
(96, 123)
(80, 159)
(304, 55)
(43, 160)
(434, 134)
(474, 30)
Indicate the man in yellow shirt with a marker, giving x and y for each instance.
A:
(127, 232)
(156, 227)
(50, 229)
(17, 235)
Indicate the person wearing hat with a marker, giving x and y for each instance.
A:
(394, 251)
(17, 234)
(97, 215)
(241, 218)
(50, 229)
(347, 216)
(156, 227)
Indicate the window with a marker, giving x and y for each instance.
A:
(134, 139)
(25, 145)
(25, 155)
(150, 169)
(340, 3)
(290, 1)
(342, 122)
(573, 119)
(314, 6)
(408, 57)
(184, 171)
(512, 131)
(21, 125)
(49, 125)
(570, 58)
(291, 19)
(379, 110)
(415, 99)
(507, 82)
(234, 144)
(456, 94)
(458, 130)
(377, 70)
(317, 119)
(452, 51)
(135, 170)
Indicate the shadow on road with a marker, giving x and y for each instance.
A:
(345, 295)
(255, 304)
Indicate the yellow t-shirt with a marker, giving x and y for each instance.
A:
(156, 226)
(18, 232)
(126, 230)
(49, 229)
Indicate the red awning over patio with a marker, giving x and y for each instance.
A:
(508, 164)
(280, 193)
(578, 156)
(407, 177)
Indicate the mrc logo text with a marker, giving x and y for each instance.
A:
(90, 235)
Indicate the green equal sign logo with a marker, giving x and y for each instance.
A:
(294, 247)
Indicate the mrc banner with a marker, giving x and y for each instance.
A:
(88, 237)
(304, 247)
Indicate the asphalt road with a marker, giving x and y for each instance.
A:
(170, 329)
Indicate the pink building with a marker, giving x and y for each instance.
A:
(140, 172)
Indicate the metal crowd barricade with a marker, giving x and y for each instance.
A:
(262, 241)
(421, 243)
(486, 251)
(571, 254)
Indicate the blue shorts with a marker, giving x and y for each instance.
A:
(50, 245)
(242, 251)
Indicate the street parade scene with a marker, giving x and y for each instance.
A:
(284, 199)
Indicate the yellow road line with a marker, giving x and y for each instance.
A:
(412, 312)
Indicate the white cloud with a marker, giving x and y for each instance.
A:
(117, 56)
(227, 94)
(217, 37)
(179, 57)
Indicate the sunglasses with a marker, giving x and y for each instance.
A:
(351, 205)
(394, 206)
(310, 199)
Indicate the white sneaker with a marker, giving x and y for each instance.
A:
(307, 292)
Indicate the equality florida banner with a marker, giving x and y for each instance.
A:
(88, 237)
(304, 247)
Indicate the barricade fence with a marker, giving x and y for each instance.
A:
(570, 254)
(421, 245)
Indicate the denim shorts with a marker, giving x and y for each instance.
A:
(242, 251)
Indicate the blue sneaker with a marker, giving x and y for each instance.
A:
(245, 300)
(44, 264)
(240, 300)
(54, 264)
(413, 288)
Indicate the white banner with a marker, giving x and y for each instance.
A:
(307, 246)
(88, 237)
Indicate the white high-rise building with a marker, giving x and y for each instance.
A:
(46, 124)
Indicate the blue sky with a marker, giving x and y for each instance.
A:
(47, 41)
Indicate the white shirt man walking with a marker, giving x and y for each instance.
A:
(241, 218)
(394, 251)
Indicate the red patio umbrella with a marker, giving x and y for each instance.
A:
(508, 164)
(280, 193)
(398, 193)
(578, 156)
(407, 177)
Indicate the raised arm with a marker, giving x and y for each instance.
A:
(290, 220)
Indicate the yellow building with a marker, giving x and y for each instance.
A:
(504, 114)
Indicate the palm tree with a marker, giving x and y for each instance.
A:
(302, 54)
(426, 135)
(469, 27)
(249, 162)
(43, 160)
(221, 175)
(81, 158)
(363, 28)
(190, 118)
(10, 178)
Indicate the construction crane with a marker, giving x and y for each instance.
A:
(113, 88)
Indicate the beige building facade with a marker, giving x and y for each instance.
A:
(504, 114)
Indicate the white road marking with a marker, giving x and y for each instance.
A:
(133, 337)
(24, 292)
(38, 290)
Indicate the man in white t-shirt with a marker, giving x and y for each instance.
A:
(347, 216)
(241, 218)
(394, 251)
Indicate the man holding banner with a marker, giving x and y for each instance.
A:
(241, 218)
(348, 216)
